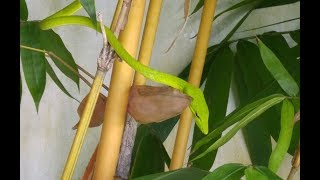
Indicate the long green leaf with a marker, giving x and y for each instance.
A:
(233, 7)
(254, 77)
(277, 155)
(33, 63)
(268, 3)
(232, 118)
(148, 157)
(242, 123)
(216, 93)
(23, 10)
(184, 173)
(89, 6)
(260, 173)
(288, 57)
(231, 171)
(54, 77)
(51, 41)
(278, 71)
(198, 6)
(163, 129)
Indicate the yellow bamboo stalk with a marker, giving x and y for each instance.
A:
(83, 126)
(116, 107)
(116, 15)
(194, 78)
(148, 38)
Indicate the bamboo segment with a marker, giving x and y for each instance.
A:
(148, 38)
(116, 15)
(194, 78)
(116, 107)
(83, 126)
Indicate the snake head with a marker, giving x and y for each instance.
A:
(200, 110)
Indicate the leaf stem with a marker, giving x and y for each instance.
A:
(53, 55)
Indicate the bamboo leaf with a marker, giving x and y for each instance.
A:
(51, 41)
(288, 57)
(54, 77)
(89, 6)
(295, 138)
(33, 63)
(229, 171)
(268, 3)
(184, 173)
(233, 7)
(279, 46)
(163, 129)
(147, 158)
(251, 76)
(232, 118)
(216, 93)
(23, 10)
(242, 123)
(260, 173)
(278, 71)
(198, 6)
(277, 155)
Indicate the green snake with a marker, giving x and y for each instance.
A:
(198, 105)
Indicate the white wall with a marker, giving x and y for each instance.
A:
(46, 137)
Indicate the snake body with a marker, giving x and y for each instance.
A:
(198, 105)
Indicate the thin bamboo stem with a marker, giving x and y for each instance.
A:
(104, 59)
(83, 126)
(194, 78)
(116, 107)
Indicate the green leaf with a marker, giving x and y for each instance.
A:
(23, 10)
(260, 173)
(251, 76)
(232, 118)
(288, 57)
(278, 71)
(231, 171)
(147, 157)
(242, 123)
(295, 138)
(198, 6)
(89, 6)
(184, 173)
(216, 93)
(268, 3)
(233, 7)
(33, 63)
(277, 155)
(50, 41)
(295, 35)
(54, 77)
(163, 129)
(279, 46)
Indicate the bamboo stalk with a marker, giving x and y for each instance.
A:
(144, 57)
(148, 38)
(83, 126)
(116, 107)
(194, 78)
